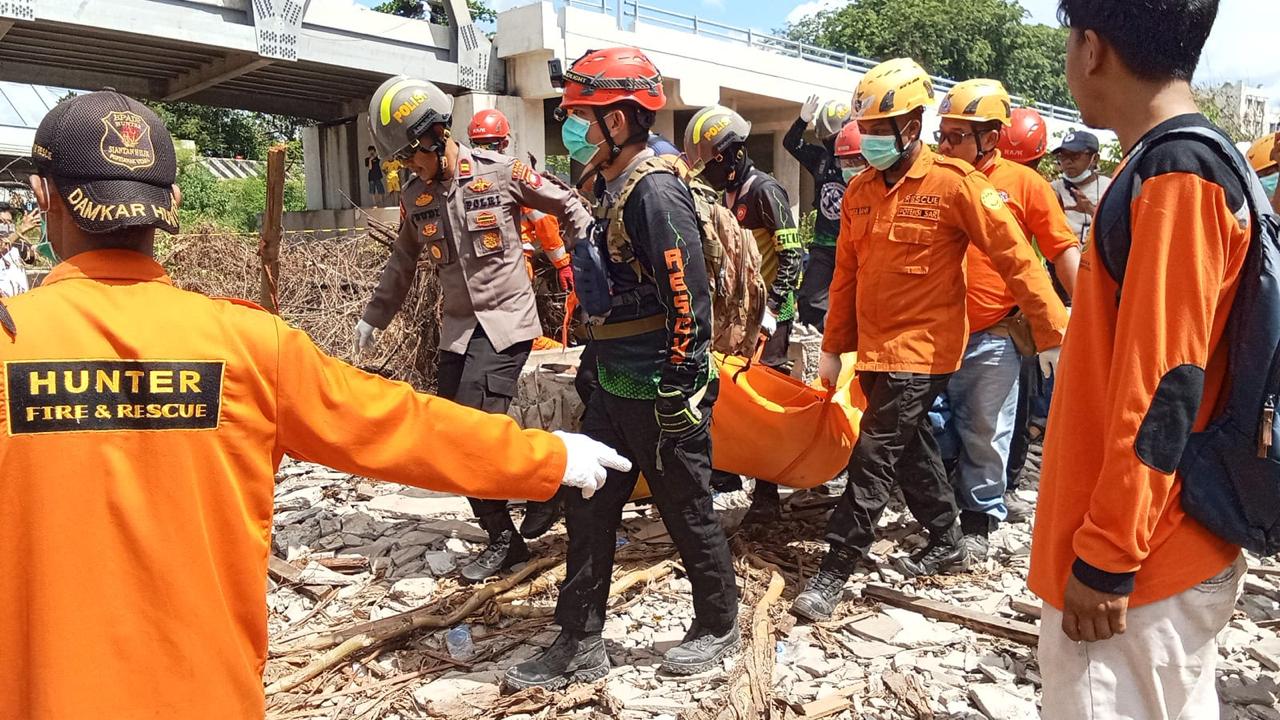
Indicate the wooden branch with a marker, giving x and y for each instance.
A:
(359, 637)
(272, 231)
(1014, 630)
(619, 586)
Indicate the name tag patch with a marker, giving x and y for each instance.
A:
(95, 395)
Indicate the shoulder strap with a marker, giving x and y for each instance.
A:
(1255, 197)
(619, 243)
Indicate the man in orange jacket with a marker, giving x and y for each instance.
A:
(983, 393)
(1135, 591)
(898, 300)
(143, 425)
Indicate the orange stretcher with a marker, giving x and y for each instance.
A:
(773, 427)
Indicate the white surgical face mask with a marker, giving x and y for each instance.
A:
(1078, 179)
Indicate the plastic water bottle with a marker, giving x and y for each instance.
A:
(458, 641)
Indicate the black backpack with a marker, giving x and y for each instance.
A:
(1231, 470)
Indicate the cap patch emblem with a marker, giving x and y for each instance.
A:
(126, 141)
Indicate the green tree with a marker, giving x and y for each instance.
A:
(222, 132)
(233, 205)
(960, 40)
(434, 11)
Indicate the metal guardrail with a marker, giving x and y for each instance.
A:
(633, 10)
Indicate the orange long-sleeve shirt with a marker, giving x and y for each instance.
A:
(898, 297)
(1035, 206)
(544, 230)
(1139, 373)
(143, 426)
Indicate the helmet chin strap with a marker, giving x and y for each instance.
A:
(614, 149)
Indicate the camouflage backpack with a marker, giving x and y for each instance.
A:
(738, 291)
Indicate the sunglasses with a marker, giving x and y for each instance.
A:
(953, 138)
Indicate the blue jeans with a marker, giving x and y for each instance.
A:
(982, 397)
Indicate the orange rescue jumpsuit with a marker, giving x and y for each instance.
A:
(143, 427)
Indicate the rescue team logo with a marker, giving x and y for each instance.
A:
(479, 185)
(126, 141)
(491, 241)
(832, 197)
(741, 213)
(53, 396)
(430, 229)
(423, 200)
(991, 199)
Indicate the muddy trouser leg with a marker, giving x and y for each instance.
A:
(682, 493)
(485, 378)
(814, 290)
(895, 444)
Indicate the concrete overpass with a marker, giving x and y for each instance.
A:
(316, 59)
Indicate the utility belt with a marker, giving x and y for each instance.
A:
(632, 300)
(1017, 328)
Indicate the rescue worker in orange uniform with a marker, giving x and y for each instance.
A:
(983, 393)
(1264, 158)
(490, 130)
(462, 207)
(143, 425)
(898, 300)
(1025, 141)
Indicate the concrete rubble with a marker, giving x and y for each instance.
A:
(369, 550)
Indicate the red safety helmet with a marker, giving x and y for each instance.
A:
(849, 141)
(604, 77)
(1026, 140)
(489, 126)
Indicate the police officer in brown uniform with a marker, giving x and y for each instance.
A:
(463, 208)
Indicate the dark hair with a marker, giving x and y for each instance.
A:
(373, 148)
(1156, 39)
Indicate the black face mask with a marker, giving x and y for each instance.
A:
(716, 173)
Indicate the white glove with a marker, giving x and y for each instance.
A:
(769, 323)
(809, 109)
(829, 366)
(364, 336)
(1049, 362)
(589, 462)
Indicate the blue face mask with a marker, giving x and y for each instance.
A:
(45, 248)
(881, 151)
(1269, 184)
(574, 134)
(850, 173)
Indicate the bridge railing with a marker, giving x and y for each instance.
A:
(633, 10)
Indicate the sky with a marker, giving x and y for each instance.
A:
(1242, 42)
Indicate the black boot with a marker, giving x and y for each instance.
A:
(701, 650)
(505, 550)
(974, 545)
(724, 482)
(766, 506)
(539, 517)
(939, 556)
(573, 657)
(822, 594)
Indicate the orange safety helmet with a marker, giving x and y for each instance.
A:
(1026, 140)
(489, 126)
(612, 75)
(849, 141)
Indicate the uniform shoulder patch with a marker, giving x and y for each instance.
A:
(991, 199)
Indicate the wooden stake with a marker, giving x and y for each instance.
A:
(272, 231)
(1020, 632)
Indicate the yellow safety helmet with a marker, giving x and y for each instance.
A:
(1261, 153)
(892, 88)
(978, 101)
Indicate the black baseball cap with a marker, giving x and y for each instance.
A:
(1079, 141)
(113, 162)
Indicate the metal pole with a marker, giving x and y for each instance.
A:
(618, 5)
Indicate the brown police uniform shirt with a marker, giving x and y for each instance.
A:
(469, 227)
(898, 295)
(142, 427)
